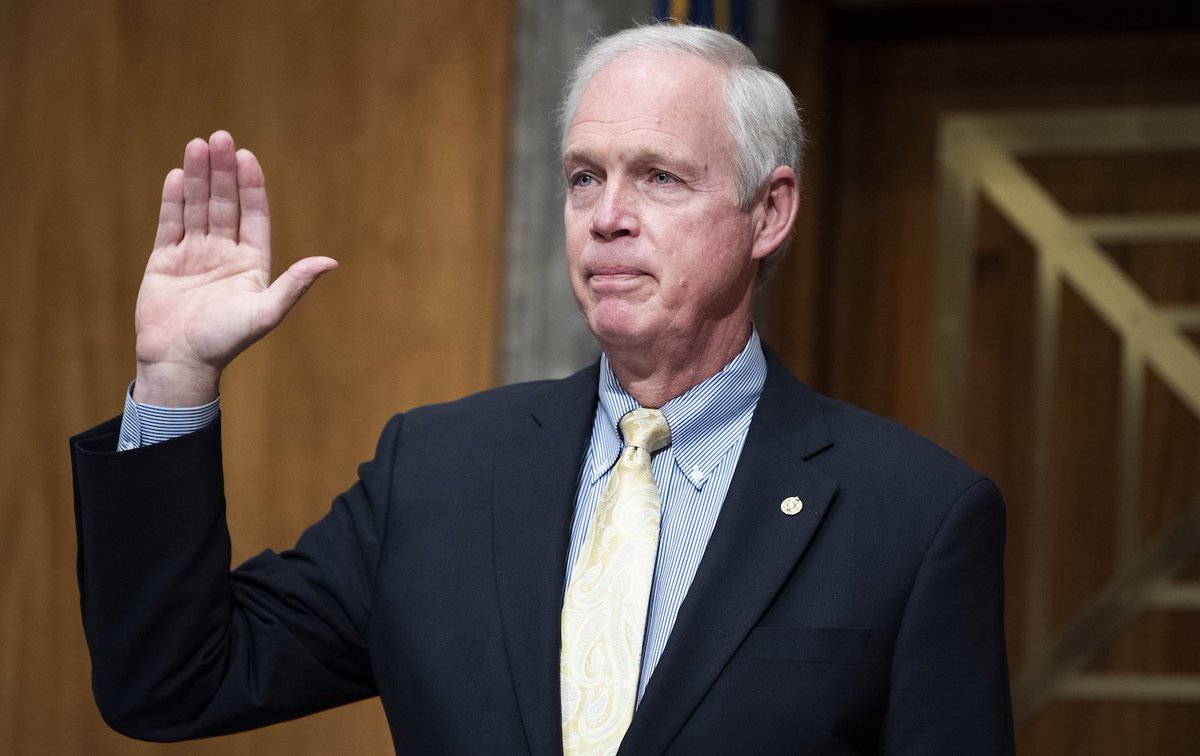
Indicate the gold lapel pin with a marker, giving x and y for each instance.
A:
(791, 505)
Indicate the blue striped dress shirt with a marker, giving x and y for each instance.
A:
(708, 427)
(146, 424)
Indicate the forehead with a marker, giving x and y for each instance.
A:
(654, 97)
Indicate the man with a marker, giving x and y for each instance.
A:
(778, 572)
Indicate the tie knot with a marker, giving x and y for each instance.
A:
(646, 429)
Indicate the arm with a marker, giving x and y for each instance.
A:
(949, 691)
(180, 647)
(183, 648)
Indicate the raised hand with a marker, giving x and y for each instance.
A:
(207, 293)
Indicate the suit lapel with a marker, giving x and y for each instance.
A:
(535, 480)
(753, 548)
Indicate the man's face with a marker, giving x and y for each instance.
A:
(660, 255)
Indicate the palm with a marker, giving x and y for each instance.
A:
(207, 294)
(200, 299)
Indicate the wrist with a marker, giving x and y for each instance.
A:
(175, 385)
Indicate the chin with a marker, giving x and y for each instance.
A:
(617, 328)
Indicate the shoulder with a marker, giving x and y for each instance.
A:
(875, 458)
(883, 443)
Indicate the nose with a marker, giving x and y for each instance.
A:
(615, 213)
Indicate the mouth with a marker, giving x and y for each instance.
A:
(614, 271)
(615, 277)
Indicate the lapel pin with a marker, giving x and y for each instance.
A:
(791, 505)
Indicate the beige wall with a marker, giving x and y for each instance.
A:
(380, 125)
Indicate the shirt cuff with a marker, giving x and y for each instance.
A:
(147, 424)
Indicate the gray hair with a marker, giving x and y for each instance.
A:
(763, 120)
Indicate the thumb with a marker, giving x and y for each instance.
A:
(293, 283)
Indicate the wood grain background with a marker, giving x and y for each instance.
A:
(381, 127)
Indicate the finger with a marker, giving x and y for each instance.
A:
(292, 284)
(195, 187)
(223, 201)
(170, 213)
(255, 226)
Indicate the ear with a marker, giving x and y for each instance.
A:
(775, 211)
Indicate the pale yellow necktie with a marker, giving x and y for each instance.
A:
(604, 612)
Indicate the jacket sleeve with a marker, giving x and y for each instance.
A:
(949, 690)
(181, 646)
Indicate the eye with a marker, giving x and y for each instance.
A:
(661, 178)
(583, 180)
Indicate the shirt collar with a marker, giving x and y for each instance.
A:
(705, 421)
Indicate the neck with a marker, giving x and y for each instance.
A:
(654, 375)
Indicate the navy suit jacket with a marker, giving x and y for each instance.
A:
(871, 621)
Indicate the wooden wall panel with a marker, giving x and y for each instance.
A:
(880, 172)
(381, 128)
(792, 305)
(998, 439)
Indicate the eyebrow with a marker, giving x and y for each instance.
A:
(574, 156)
(637, 156)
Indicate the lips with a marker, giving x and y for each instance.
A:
(604, 271)
(615, 277)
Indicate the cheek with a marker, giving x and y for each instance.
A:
(712, 271)
(574, 244)
(683, 284)
(575, 222)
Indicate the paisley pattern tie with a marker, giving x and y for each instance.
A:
(604, 612)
